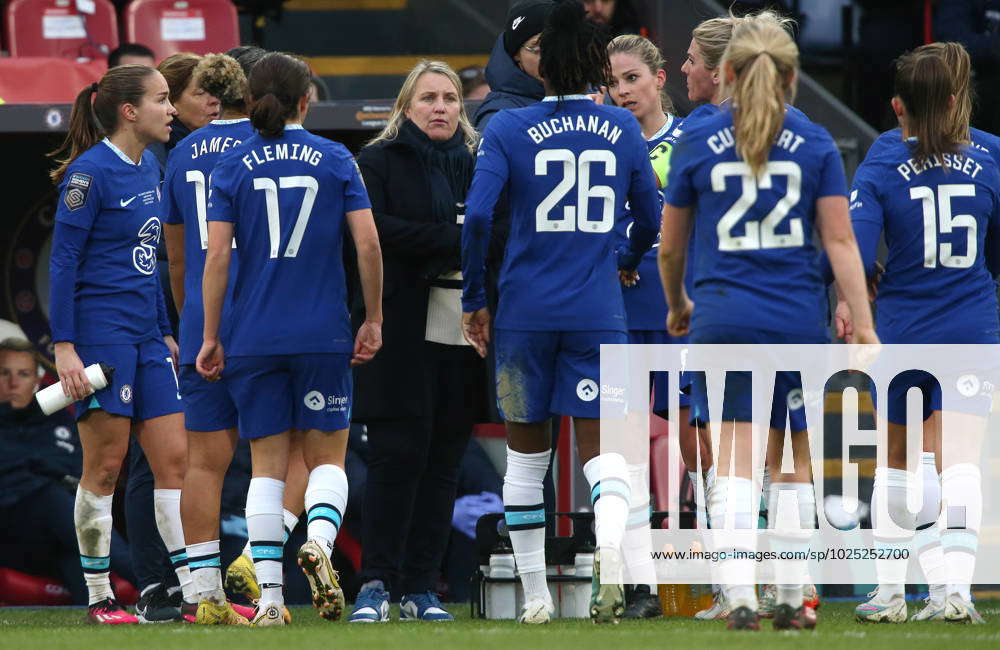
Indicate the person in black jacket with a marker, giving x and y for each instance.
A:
(422, 394)
(512, 71)
(40, 465)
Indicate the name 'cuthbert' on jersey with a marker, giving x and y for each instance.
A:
(283, 151)
(591, 123)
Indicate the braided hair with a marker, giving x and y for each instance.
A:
(574, 53)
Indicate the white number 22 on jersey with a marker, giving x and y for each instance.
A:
(759, 234)
(942, 218)
(270, 189)
(576, 171)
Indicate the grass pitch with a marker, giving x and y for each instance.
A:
(23, 628)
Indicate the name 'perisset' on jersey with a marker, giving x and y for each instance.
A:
(592, 123)
(956, 161)
(283, 151)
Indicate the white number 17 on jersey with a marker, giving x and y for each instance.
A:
(270, 189)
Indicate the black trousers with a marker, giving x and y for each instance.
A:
(413, 470)
(38, 536)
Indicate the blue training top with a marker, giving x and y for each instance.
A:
(570, 165)
(935, 215)
(103, 266)
(755, 263)
(185, 199)
(287, 198)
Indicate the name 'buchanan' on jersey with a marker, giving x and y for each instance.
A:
(185, 202)
(569, 165)
(935, 215)
(754, 257)
(287, 198)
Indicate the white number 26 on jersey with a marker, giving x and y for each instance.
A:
(576, 171)
(759, 234)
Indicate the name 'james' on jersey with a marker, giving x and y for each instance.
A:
(185, 202)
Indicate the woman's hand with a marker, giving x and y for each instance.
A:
(628, 278)
(476, 329)
(367, 342)
(679, 320)
(71, 374)
(866, 336)
(843, 322)
(211, 360)
(175, 352)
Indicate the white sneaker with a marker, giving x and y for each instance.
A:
(537, 612)
(959, 610)
(933, 610)
(719, 609)
(878, 610)
(268, 615)
(768, 601)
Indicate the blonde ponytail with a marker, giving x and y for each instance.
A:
(761, 59)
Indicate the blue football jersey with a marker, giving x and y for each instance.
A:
(185, 202)
(287, 198)
(936, 287)
(569, 167)
(755, 263)
(118, 202)
(645, 304)
(707, 111)
(982, 140)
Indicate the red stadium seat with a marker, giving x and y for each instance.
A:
(171, 26)
(58, 28)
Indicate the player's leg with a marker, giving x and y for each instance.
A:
(265, 523)
(104, 438)
(164, 443)
(962, 437)
(104, 422)
(793, 523)
(158, 425)
(733, 499)
(210, 419)
(240, 576)
(927, 540)
(524, 379)
(324, 446)
(577, 393)
(267, 424)
(892, 521)
(325, 503)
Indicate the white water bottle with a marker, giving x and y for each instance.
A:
(583, 567)
(53, 399)
(501, 597)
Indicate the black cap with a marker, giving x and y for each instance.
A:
(524, 20)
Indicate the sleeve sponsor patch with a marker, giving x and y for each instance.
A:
(77, 189)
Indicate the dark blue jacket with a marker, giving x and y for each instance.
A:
(973, 23)
(510, 86)
(35, 451)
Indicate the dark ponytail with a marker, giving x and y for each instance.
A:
(277, 83)
(92, 120)
(574, 51)
(925, 84)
